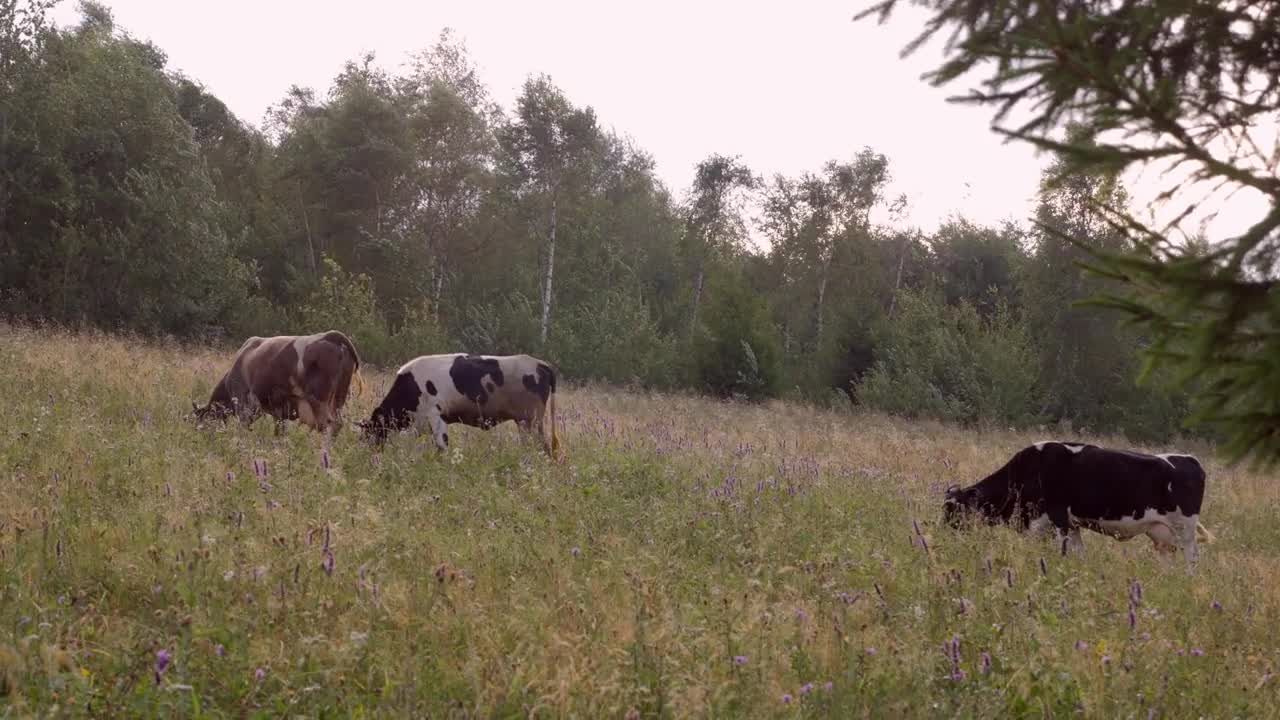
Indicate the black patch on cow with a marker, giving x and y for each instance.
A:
(446, 438)
(431, 388)
(397, 408)
(468, 373)
(490, 387)
(543, 384)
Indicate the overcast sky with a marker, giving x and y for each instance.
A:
(785, 85)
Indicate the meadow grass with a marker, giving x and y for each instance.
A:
(690, 559)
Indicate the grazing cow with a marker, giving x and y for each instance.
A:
(291, 377)
(433, 391)
(1066, 486)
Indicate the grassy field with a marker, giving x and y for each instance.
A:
(690, 559)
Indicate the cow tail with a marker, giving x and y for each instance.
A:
(555, 436)
(355, 376)
(1203, 534)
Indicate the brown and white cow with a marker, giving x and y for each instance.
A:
(433, 391)
(290, 377)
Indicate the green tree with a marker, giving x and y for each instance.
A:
(451, 121)
(1182, 86)
(976, 264)
(110, 216)
(948, 362)
(551, 147)
(737, 350)
(714, 223)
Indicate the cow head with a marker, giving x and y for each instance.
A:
(199, 413)
(211, 410)
(958, 505)
(373, 430)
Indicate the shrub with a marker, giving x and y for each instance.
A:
(614, 339)
(737, 350)
(345, 301)
(946, 362)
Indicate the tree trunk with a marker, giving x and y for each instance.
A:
(697, 299)
(437, 288)
(551, 268)
(311, 246)
(822, 296)
(893, 299)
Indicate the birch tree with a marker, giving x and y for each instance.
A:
(714, 215)
(550, 145)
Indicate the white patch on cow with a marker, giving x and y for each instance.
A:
(1167, 531)
(1129, 527)
(1074, 448)
(300, 347)
(1165, 457)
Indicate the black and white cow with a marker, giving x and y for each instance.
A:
(1067, 486)
(433, 391)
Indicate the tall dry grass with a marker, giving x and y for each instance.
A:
(692, 558)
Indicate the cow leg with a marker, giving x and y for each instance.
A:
(539, 426)
(439, 428)
(1073, 541)
(1063, 530)
(1187, 525)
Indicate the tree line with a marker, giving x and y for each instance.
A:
(413, 212)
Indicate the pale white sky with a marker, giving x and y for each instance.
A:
(786, 85)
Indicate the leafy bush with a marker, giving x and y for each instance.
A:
(345, 301)
(615, 339)
(737, 351)
(946, 362)
(506, 328)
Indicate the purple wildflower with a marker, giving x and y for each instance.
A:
(1044, 568)
(260, 674)
(231, 477)
(575, 551)
(324, 459)
(988, 565)
(801, 615)
(1008, 576)
(986, 663)
(1216, 605)
(162, 663)
(1106, 661)
(871, 651)
(916, 526)
(739, 660)
(1197, 652)
(327, 564)
(786, 698)
(1082, 645)
(806, 688)
(1135, 593)
(828, 685)
(1133, 617)
(219, 650)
